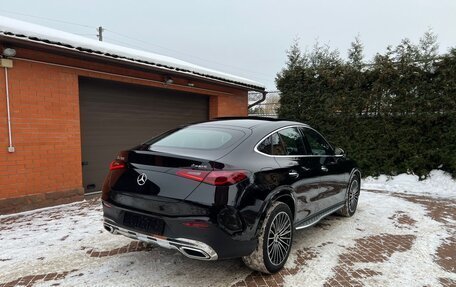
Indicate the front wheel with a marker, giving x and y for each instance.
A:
(274, 242)
(351, 201)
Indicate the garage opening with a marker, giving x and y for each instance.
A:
(117, 116)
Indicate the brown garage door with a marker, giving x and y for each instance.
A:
(117, 116)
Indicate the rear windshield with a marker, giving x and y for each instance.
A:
(198, 138)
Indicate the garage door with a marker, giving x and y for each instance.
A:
(116, 116)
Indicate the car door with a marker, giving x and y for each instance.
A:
(299, 171)
(333, 174)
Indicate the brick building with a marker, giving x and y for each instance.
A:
(74, 102)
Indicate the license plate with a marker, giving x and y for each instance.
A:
(144, 223)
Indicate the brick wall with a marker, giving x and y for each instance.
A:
(44, 102)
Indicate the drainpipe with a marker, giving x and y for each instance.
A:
(259, 101)
(6, 63)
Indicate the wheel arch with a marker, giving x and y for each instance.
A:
(353, 173)
(283, 194)
(289, 200)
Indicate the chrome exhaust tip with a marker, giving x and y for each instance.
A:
(194, 253)
(109, 228)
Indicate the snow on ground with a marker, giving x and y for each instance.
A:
(391, 241)
(438, 183)
(57, 240)
(374, 217)
(49, 233)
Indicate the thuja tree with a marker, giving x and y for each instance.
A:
(393, 114)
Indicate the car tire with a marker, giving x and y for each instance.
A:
(274, 241)
(351, 201)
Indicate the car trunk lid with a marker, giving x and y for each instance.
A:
(152, 173)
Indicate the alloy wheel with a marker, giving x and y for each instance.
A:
(279, 238)
(353, 195)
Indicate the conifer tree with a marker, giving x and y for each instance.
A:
(395, 114)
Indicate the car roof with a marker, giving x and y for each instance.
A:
(250, 122)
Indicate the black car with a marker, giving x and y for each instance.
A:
(234, 187)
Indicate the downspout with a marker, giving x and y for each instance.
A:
(259, 101)
(10, 137)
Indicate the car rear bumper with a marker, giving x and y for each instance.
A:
(203, 243)
(190, 248)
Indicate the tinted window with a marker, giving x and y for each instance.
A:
(265, 146)
(317, 143)
(277, 145)
(198, 138)
(272, 145)
(292, 141)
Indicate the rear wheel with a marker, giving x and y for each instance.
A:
(351, 201)
(274, 242)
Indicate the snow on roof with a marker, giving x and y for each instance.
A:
(35, 33)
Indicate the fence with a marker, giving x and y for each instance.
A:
(268, 108)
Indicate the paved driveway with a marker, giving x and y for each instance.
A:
(393, 240)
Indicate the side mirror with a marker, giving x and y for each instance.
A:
(339, 152)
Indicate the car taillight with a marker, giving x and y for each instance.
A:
(197, 175)
(216, 177)
(120, 162)
(225, 177)
(117, 164)
(196, 224)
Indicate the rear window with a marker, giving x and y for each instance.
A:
(198, 138)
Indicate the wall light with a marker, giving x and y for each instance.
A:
(9, 52)
(168, 80)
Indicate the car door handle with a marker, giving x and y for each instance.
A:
(293, 173)
(324, 168)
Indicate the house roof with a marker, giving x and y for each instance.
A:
(11, 28)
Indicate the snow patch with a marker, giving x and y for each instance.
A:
(438, 183)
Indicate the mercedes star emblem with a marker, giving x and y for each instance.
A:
(141, 180)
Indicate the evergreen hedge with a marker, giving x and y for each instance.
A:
(395, 114)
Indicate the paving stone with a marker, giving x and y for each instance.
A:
(356, 263)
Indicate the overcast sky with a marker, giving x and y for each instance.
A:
(247, 38)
